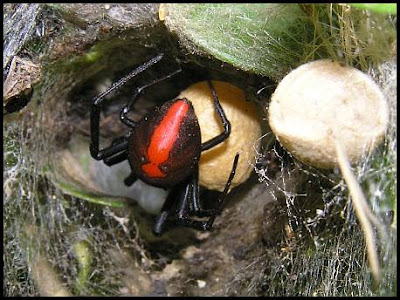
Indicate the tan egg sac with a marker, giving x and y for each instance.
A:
(323, 101)
(216, 163)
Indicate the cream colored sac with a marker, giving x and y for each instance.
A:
(216, 163)
(324, 102)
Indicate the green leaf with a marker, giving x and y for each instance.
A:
(382, 8)
(266, 39)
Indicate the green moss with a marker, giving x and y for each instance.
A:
(11, 150)
(266, 39)
(93, 55)
(84, 257)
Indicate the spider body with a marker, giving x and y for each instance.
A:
(165, 147)
(163, 150)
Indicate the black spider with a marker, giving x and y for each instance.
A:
(163, 150)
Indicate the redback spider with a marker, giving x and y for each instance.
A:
(163, 150)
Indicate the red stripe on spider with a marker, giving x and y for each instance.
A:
(164, 138)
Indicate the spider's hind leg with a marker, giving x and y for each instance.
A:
(167, 208)
(190, 204)
(130, 179)
(228, 184)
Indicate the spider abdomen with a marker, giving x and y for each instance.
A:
(164, 147)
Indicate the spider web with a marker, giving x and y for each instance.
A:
(49, 236)
(43, 227)
(328, 257)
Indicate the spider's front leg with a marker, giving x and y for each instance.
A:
(110, 154)
(118, 150)
(225, 122)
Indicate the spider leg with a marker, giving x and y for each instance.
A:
(227, 125)
(227, 185)
(184, 213)
(166, 210)
(116, 159)
(96, 108)
(130, 179)
(195, 204)
(116, 146)
(128, 107)
(189, 204)
(181, 209)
